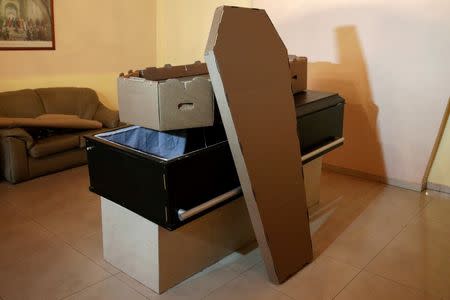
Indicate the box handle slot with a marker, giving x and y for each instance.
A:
(186, 106)
(186, 214)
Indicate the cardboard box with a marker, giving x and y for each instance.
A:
(170, 104)
(169, 71)
(299, 73)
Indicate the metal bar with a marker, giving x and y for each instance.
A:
(322, 149)
(185, 214)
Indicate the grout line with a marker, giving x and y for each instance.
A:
(373, 258)
(404, 285)
(133, 288)
(86, 287)
(225, 283)
(89, 258)
(283, 293)
(348, 283)
(59, 237)
(418, 213)
(242, 275)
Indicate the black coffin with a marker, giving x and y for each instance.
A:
(320, 119)
(156, 188)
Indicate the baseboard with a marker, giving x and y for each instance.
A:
(390, 181)
(438, 187)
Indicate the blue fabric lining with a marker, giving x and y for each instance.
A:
(162, 144)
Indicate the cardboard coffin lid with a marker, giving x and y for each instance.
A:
(249, 68)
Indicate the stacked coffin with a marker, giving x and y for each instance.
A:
(176, 149)
(176, 152)
(173, 163)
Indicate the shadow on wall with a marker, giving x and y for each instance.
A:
(362, 149)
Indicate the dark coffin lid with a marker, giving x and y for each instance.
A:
(311, 101)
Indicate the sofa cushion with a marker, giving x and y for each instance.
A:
(74, 123)
(57, 116)
(20, 104)
(54, 144)
(82, 102)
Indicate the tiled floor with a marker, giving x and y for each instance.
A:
(371, 241)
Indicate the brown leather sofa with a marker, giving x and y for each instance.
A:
(23, 155)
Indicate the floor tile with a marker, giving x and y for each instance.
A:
(10, 215)
(322, 279)
(196, 287)
(109, 289)
(418, 257)
(389, 210)
(342, 200)
(247, 287)
(243, 259)
(51, 273)
(92, 247)
(22, 240)
(71, 224)
(372, 287)
(136, 285)
(403, 234)
(201, 284)
(52, 193)
(438, 210)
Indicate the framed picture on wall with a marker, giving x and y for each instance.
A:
(27, 25)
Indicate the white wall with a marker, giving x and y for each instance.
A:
(390, 60)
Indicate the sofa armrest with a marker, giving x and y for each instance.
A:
(109, 118)
(18, 133)
(13, 159)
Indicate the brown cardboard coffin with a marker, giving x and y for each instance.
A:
(249, 69)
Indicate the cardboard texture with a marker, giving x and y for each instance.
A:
(299, 73)
(169, 71)
(171, 104)
(249, 68)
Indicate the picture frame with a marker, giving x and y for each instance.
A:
(27, 25)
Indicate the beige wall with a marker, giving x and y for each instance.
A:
(390, 60)
(183, 28)
(95, 41)
(440, 171)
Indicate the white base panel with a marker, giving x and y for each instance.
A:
(160, 259)
(311, 175)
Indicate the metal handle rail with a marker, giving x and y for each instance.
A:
(322, 149)
(185, 214)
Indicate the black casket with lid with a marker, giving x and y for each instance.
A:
(171, 178)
